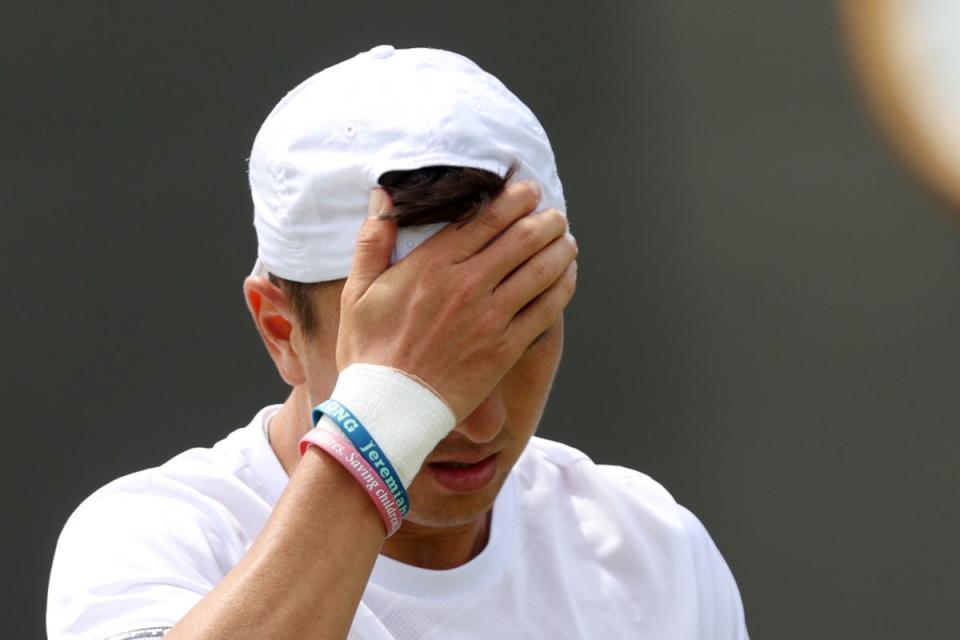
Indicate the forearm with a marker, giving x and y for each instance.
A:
(304, 575)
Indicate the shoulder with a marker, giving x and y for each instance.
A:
(573, 471)
(200, 484)
(609, 495)
(143, 549)
(630, 528)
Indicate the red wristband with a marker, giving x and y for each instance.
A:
(343, 451)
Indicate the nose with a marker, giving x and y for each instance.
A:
(487, 419)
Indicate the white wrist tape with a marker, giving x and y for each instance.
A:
(406, 418)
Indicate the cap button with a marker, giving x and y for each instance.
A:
(382, 51)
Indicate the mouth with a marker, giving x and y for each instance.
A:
(459, 476)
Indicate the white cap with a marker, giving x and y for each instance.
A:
(324, 147)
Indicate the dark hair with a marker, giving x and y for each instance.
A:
(420, 196)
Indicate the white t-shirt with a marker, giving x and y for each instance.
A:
(576, 550)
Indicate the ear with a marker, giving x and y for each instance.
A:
(275, 323)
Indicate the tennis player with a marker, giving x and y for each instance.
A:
(413, 265)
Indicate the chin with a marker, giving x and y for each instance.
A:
(436, 509)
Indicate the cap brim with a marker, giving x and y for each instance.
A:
(259, 269)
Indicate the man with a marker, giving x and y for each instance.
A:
(399, 491)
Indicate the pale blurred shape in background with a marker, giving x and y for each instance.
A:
(907, 53)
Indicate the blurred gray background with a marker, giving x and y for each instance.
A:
(768, 305)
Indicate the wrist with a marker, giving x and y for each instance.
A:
(405, 418)
(341, 450)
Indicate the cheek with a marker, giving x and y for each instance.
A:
(527, 386)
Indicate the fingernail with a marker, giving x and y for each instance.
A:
(377, 205)
(571, 239)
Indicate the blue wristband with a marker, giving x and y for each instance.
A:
(366, 445)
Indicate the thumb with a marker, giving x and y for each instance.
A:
(375, 240)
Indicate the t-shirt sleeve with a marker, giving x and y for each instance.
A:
(721, 608)
(685, 569)
(130, 566)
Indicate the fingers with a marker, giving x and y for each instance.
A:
(536, 275)
(544, 310)
(519, 243)
(463, 241)
(375, 241)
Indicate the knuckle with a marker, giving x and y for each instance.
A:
(422, 296)
(434, 266)
(348, 293)
(567, 285)
(550, 308)
(490, 216)
(367, 244)
(571, 278)
(557, 221)
(468, 288)
(465, 290)
(527, 234)
(367, 235)
(429, 268)
(502, 349)
(489, 323)
(527, 192)
(542, 272)
(569, 288)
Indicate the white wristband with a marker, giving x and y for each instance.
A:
(404, 416)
